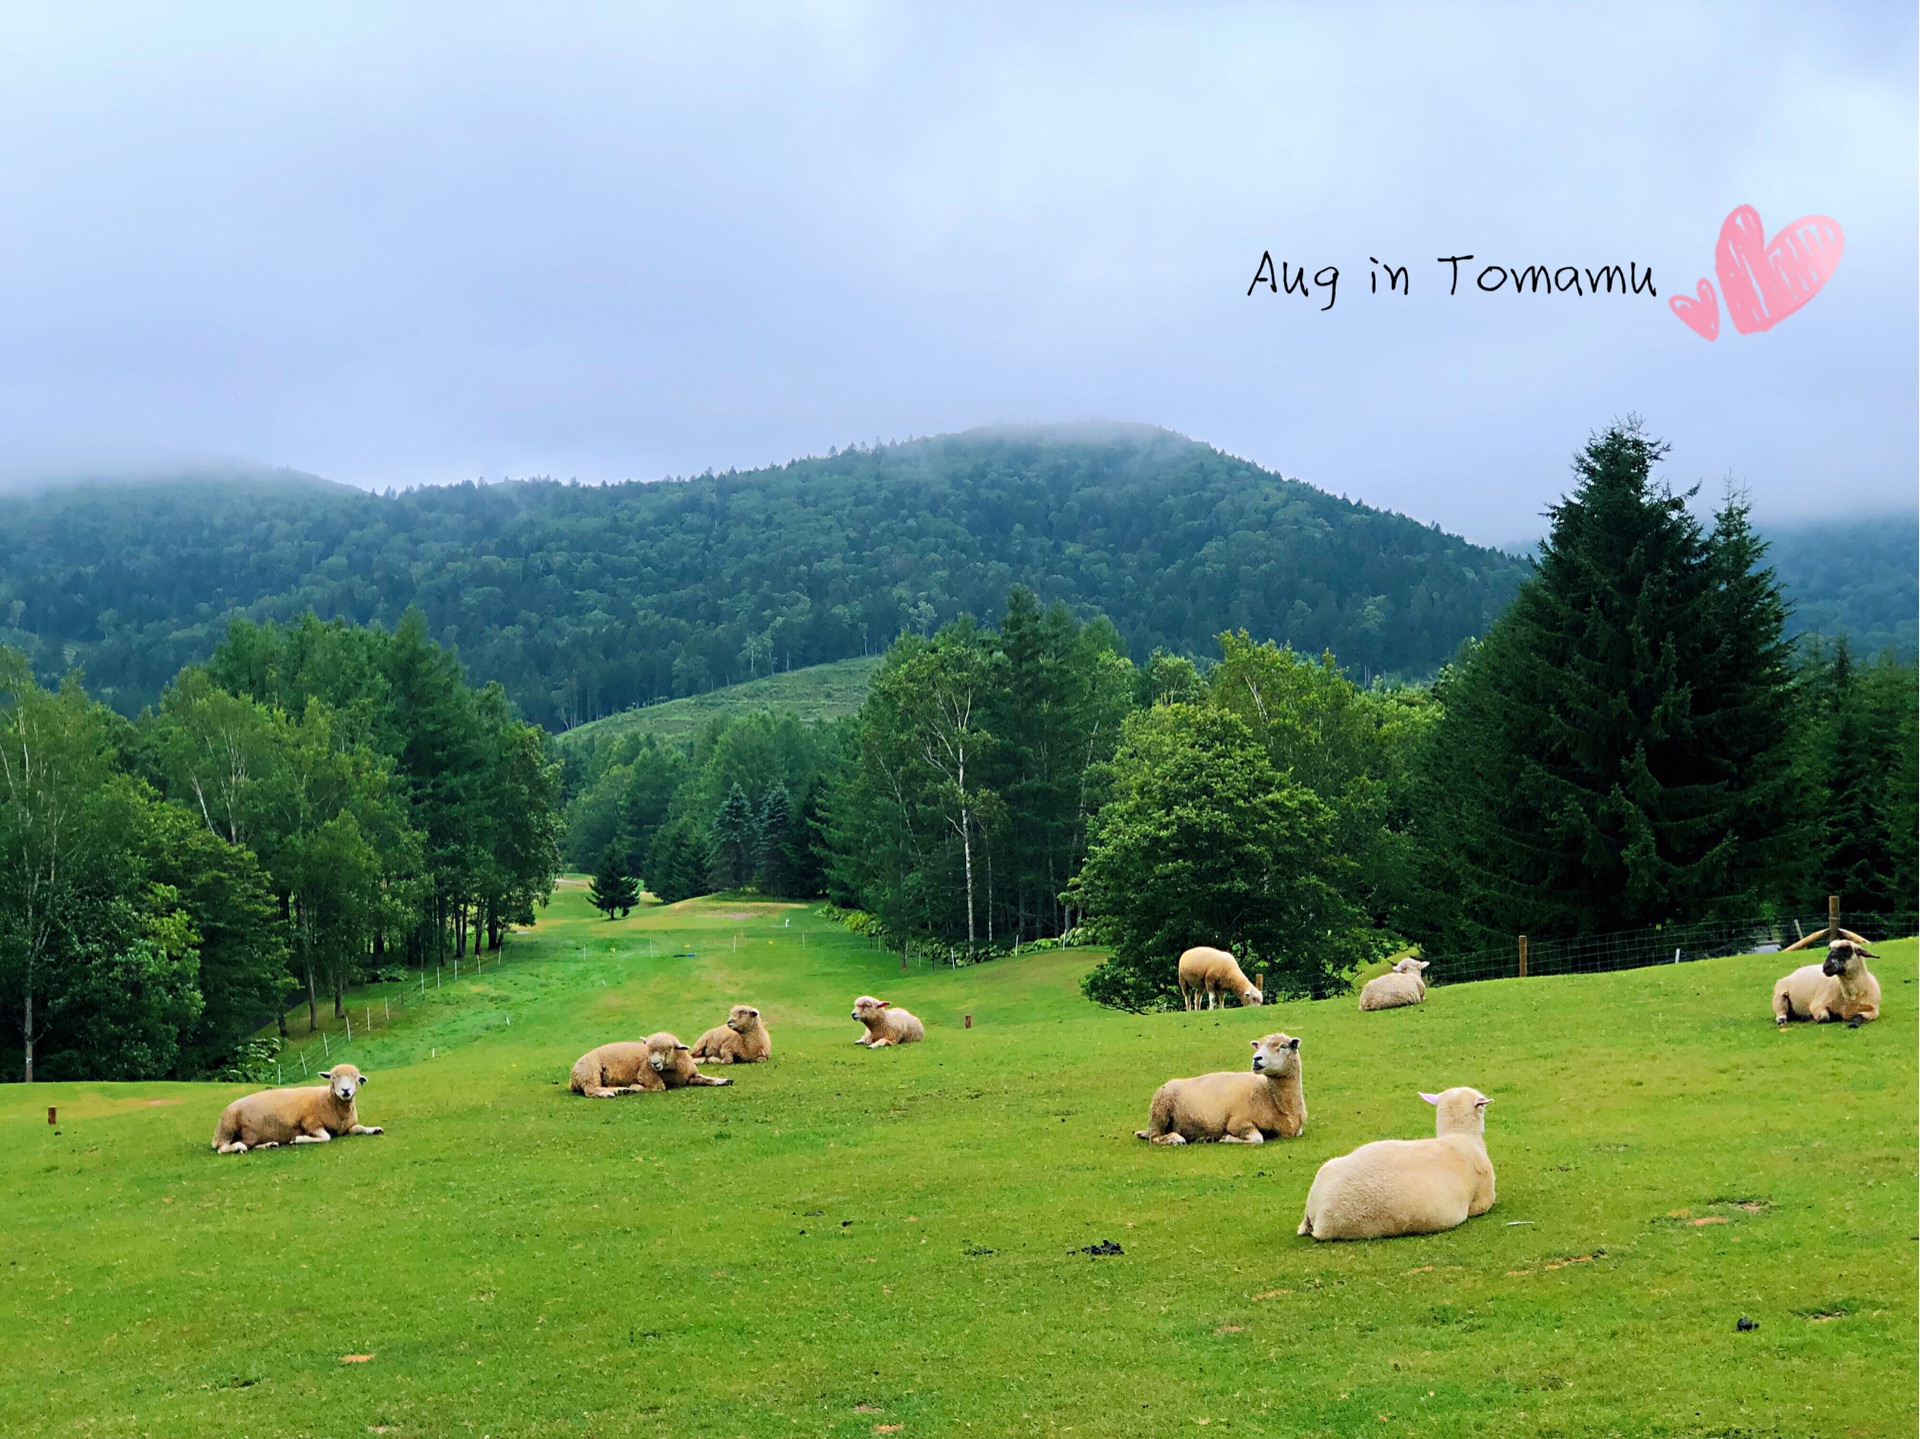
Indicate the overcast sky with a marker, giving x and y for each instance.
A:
(405, 245)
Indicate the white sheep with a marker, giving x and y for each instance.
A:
(306, 1115)
(1840, 988)
(1234, 1106)
(1408, 1186)
(885, 1024)
(1206, 974)
(1402, 985)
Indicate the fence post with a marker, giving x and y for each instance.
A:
(1523, 956)
(1833, 918)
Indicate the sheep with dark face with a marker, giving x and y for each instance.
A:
(1842, 988)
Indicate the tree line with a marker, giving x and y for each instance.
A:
(1634, 742)
(314, 806)
(586, 600)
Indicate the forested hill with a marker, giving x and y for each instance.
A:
(583, 600)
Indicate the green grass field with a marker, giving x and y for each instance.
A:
(865, 1243)
(818, 692)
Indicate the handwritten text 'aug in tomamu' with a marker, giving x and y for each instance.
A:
(1285, 278)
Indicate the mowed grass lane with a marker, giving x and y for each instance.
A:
(846, 1242)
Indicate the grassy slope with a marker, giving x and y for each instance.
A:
(818, 692)
(845, 1241)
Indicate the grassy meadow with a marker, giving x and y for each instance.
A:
(865, 1243)
(816, 693)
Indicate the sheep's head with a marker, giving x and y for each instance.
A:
(1844, 956)
(1462, 1110)
(1410, 965)
(1276, 1056)
(664, 1051)
(743, 1019)
(345, 1081)
(1250, 995)
(868, 1010)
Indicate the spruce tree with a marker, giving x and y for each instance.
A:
(613, 890)
(770, 837)
(734, 841)
(1615, 753)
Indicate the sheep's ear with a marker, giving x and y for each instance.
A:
(1293, 1043)
(1254, 1042)
(1866, 953)
(1430, 1098)
(363, 1079)
(886, 1004)
(1482, 1102)
(683, 1046)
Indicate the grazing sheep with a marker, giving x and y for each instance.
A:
(1209, 973)
(658, 1062)
(1404, 984)
(885, 1024)
(1841, 988)
(307, 1115)
(1234, 1107)
(743, 1039)
(1408, 1186)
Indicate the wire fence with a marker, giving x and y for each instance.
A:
(1661, 944)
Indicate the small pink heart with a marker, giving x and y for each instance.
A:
(1764, 283)
(1702, 316)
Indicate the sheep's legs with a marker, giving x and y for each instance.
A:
(321, 1138)
(366, 1129)
(1862, 1017)
(1174, 1137)
(236, 1147)
(1252, 1136)
(601, 1091)
(697, 1080)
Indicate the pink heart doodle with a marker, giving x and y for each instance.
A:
(1701, 315)
(1764, 283)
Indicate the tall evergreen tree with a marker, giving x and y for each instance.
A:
(613, 891)
(770, 840)
(1613, 755)
(734, 841)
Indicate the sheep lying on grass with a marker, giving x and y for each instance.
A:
(308, 1115)
(1408, 1186)
(659, 1062)
(1402, 985)
(743, 1039)
(1209, 973)
(1841, 988)
(1234, 1107)
(885, 1024)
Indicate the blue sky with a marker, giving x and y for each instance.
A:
(401, 245)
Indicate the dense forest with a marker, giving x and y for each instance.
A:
(1634, 742)
(585, 600)
(314, 806)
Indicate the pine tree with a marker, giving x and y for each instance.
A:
(613, 889)
(1615, 753)
(677, 861)
(770, 838)
(734, 841)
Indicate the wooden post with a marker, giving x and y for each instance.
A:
(969, 1021)
(1833, 918)
(1260, 983)
(1523, 956)
(52, 1114)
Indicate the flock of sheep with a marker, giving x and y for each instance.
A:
(1387, 1188)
